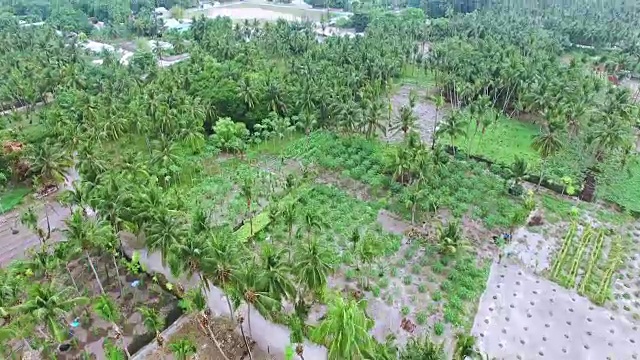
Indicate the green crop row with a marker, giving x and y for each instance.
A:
(596, 254)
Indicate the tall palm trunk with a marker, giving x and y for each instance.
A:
(86, 253)
(118, 276)
(73, 281)
(542, 167)
(246, 343)
(230, 307)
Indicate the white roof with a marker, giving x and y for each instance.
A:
(97, 47)
(161, 10)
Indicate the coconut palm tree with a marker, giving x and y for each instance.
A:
(406, 121)
(49, 163)
(153, 321)
(345, 330)
(165, 230)
(250, 283)
(453, 126)
(451, 240)
(314, 262)
(108, 311)
(438, 101)
(547, 143)
(226, 254)
(276, 273)
(86, 234)
(48, 303)
(183, 349)
(289, 216)
(518, 169)
(191, 256)
(247, 190)
(373, 117)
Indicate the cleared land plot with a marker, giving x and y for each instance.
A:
(521, 316)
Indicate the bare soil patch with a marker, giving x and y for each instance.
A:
(425, 111)
(231, 343)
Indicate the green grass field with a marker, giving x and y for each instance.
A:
(501, 142)
(12, 198)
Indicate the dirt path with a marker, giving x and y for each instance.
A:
(15, 245)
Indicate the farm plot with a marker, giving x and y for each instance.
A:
(461, 187)
(522, 316)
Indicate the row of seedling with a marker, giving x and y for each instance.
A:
(597, 277)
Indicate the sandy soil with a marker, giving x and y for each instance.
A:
(187, 327)
(249, 13)
(424, 110)
(522, 316)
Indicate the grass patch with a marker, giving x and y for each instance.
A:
(626, 191)
(12, 198)
(415, 75)
(501, 142)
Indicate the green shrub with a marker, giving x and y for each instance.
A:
(438, 328)
(421, 318)
(405, 310)
(436, 296)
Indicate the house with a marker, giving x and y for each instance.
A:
(162, 12)
(97, 47)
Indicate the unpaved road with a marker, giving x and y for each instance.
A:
(16, 245)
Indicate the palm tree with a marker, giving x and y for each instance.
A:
(345, 330)
(454, 126)
(314, 263)
(49, 164)
(153, 322)
(414, 197)
(438, 101)
(275, 273)
(48, 303)
(79, 195)
(195, 302)
(86, 234)
(247, 190)
(406, 121)
(107, 310)
(183, 349)
(191, 256)
(289, 215)
(450, 239)
(546, 144)
(518, 169)
(250, 282)
(164, 231)
(312, 220)
(373, 118)
(226, 255)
